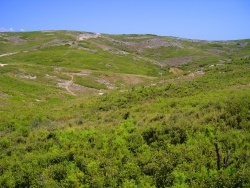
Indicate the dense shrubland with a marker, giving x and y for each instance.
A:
(180, 131)
(187, 134)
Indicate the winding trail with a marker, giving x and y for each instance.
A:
(68, 84)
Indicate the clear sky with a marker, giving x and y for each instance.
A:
(196, 19)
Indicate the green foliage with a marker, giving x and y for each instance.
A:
(188, 130)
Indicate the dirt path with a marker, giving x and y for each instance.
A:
(8, 54)
(68, 84)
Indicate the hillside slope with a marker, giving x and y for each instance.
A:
(81, 109)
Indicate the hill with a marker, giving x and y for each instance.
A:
(81, 109)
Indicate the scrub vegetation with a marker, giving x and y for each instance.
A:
(81, 109)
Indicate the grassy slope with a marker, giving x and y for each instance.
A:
(164, 132)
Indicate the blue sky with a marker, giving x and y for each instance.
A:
(196, 19)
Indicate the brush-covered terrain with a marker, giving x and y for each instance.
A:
(82, 109)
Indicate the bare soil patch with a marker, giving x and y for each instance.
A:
(3, 95)
(87, 36)
(106, 82)
(2, 65)
(25, 76)
(176, 61)
(175, 70)
(16, 40)
(132, 79)
(83, 73)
